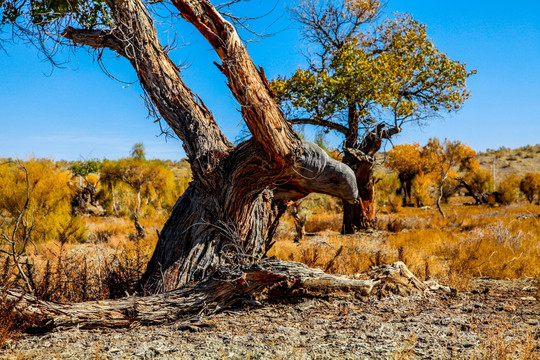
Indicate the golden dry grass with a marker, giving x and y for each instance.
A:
(107, 265)
(472, 241)
(496, 344)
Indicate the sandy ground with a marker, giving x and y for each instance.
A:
(493, 318)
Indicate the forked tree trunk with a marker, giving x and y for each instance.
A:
(209, 253)
(233, 222)
(230, 211)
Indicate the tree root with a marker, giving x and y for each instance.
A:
(267, 279)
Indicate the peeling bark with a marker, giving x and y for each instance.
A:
(361, 159)
(224, 222)
(235, 222)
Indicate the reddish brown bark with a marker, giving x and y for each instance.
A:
(362, 214)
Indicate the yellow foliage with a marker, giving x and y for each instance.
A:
(364, 9)
(140, 185)
(395, 69)
(507, 190)
(386, 189)
(444, 157)
(471, 241)
(421, 189)
(479, 180)
(407, 159)
(530, 186)
(92, 179)
(48, 215)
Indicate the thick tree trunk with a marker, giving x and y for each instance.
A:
(201, 235)
(233, 222)
(361, 159)
(229, 213)
(360, 215)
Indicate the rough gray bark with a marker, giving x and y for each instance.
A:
(209, 253)
(230, 211)
(361, 159)
(267, 279)
(235, 222)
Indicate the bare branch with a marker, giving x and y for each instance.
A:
(325, 123)
(330, 26)
(13, 252)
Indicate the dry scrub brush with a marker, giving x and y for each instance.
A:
(473, 241)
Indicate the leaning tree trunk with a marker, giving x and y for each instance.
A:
(233, 222)
(229, 213)
(209, 253)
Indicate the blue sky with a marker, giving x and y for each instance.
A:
(79, 112)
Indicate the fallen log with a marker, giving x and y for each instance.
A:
(268, 279)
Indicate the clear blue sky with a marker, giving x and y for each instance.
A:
(79, 112)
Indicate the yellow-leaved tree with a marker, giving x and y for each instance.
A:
(529, 185)
(366, 82)
(48, 214)
(410, 161)
(446, 157)
(508, 190)
(145, 182)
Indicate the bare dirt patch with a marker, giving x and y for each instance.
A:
(495, 319)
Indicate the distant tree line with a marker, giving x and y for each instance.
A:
(437, 171)
(61, 193)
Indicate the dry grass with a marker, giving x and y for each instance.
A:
(12, 323)
(107, 265)
(498, 341)
(497, 346)
(473, 241)
(9, 326)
